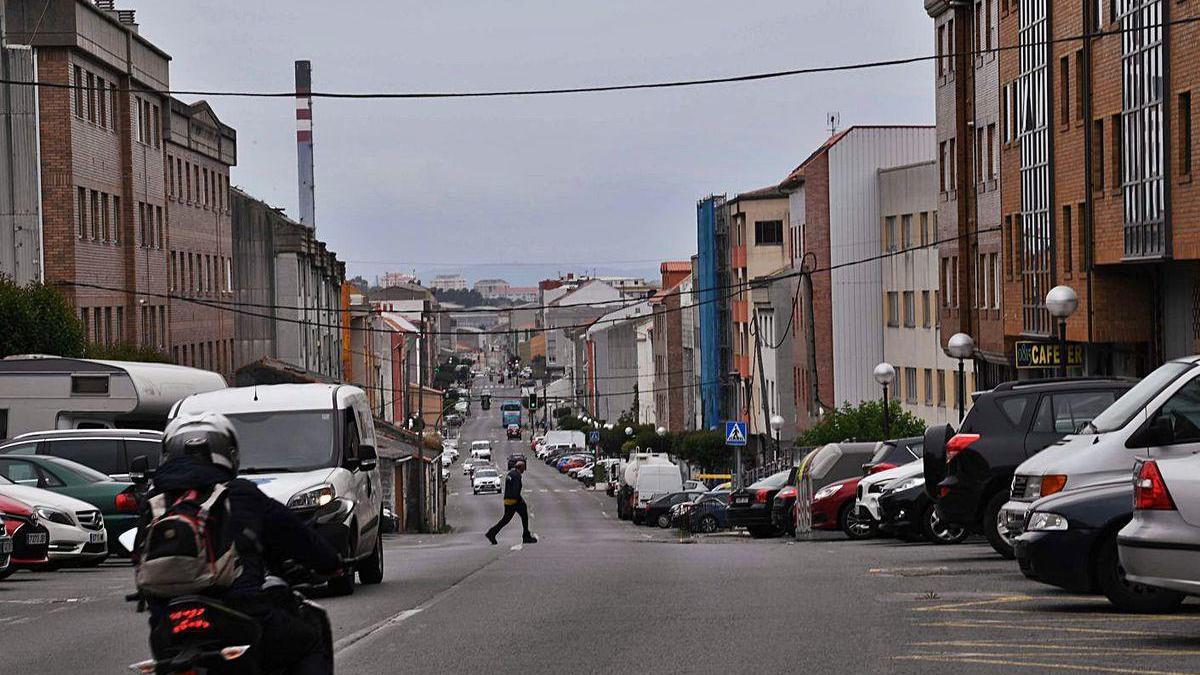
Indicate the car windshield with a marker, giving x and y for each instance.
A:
(294, 440)
(85, 473)
(1134, 401)
(775, 480)
(486, 473)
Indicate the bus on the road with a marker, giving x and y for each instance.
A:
(510, 413)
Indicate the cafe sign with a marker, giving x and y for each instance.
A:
(1032, 354)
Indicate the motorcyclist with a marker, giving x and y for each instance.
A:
(202, 451)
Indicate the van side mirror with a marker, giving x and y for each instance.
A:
(368, 459)
(1157, 432)
(351, 463)
(139, 470)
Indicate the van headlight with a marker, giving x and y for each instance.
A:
(1042, 521)
(314, 497)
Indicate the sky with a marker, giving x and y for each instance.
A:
(525, 188)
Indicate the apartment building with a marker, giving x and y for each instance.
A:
(200, 151)
(449, 282)
(671, 377)
(714, 326)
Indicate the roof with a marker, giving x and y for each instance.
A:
(676, 266)
(769, 192)
(267, 398)
(796, 177)
(398, 322)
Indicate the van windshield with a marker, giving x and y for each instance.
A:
(1117, 415)
(276, 441)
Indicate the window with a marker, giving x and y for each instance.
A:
(1098, 156)
(951, 46)
(910, 385)
(893, 309)
(941, 50)
(171, 273)
(102, 102)
(906, 230)
(105, 225)
(925, 228)
(229, 274)
(981, 282)
(926, 319)
(1008, 240)
(1066, 228)
(204, 192)
(91, 98)
(1064, 100)
(1014, 407)
(1185, 133)
(987, 25)
(1006, 110)
(170, 176)
(991, 152)
(143, 236)
(78, 82)
(1065, 413)
(910, 310)
(81, 211)
(943, 166)
(928, 387)
(1085, 237)
(1183, 412)
(158, 227)
(889, 233)
(120, 323)
(116, 201)
(994, 272)
(766, 232)
(108, 325)
(156, 128)
(106, 455)
(1118, 179)
(953, 168)
(187, 167)
(978, 155)
(94, 229)
(941, 387)
(945, 281)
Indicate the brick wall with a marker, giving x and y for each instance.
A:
(816, 199)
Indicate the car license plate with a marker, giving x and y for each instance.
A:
(741, 500)
(6, 546)
(95, 537)
(35, 538)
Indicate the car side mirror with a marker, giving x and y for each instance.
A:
(367, 457)
(1159, 431)
(351, 463)
(139, 470)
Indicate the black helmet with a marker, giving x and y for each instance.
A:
(208, 437)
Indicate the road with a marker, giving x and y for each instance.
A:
(600, 595)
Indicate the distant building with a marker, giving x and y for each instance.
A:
(671, 382)
(449, 282)
(521, 294)
(491, 288)
(390, 279)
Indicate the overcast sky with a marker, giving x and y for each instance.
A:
(491, 187)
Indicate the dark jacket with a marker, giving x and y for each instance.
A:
(265, 532)
(512, 487)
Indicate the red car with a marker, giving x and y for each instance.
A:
(573, 463)
(31, 540)
(833, 508)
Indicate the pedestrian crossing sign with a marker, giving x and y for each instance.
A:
(593, 438)
(735, 433)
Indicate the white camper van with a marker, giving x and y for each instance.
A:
(628, 479)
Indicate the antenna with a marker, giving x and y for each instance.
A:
(833, 120)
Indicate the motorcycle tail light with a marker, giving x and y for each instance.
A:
(231, 653)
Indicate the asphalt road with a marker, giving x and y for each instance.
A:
(600, 595)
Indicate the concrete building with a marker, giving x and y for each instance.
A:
(690, 352)
(521, 294)
(449, 282)
(102, 168)
(647, 373)
(611, 361)
(200, 150)
(390, 279)
(672, 367)
(713, 278)
(295, 284)
(926, 382)
(840, 222)
(572, 309)
(491, 288)
(20, 187)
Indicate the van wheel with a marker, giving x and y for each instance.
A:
(370, 571)
(1124, 594)
(995, 532)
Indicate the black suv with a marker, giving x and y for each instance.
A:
(969, 473)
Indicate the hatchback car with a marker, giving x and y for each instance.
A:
(76, 528)
(1160, 547)
(658, 510)
(750, 507)
(109, 451)
(30, 538)
(970, 473)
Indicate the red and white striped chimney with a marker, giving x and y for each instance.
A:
(304, 143)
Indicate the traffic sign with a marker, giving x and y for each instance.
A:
(593, 438)
(735, 433)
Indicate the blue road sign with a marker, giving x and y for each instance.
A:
(594, 438)
(735, 433)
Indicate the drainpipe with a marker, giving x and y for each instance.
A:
(1088, 12)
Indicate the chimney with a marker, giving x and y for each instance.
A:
(107, 5)
(304, 144)
(125, 16)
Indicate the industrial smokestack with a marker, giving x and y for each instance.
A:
(304, 144)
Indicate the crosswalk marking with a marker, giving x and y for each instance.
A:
(516, 547)
(543, 490)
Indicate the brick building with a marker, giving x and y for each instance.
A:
(102, 172)
(199, 153)
(672, 375)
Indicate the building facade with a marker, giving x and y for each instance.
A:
(20, 197)
(671, 378)
(449, 282)
(200, 151)
(712, 279)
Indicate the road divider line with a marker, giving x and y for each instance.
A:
(954, 658)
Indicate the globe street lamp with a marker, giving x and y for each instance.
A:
(961, 346)
(1061, 302)
(661, 431)
(885, 374)
(776, 426)
(628, 431)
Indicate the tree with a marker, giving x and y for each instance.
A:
(863, 422)
(37, 319)
(125, 351)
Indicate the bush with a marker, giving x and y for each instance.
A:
(863, 423)
(126, 351)
(37, 319)
(706, 449)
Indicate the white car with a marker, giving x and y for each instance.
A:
(76, 528)
(481, 450)
(468, 466)
(450, 451)
(446, 460)
(486, 479)
(312, 448)
(870, 487)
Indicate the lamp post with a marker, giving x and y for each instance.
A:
(885, 374)
(777, 427)
(1061, 302)
(961, 346)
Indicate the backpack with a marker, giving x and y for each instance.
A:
(184, 548)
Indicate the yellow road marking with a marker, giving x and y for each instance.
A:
(953, 606)
(1090, 649)
(982, 623)
(1037, 664)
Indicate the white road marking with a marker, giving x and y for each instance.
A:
(557, 490)
(453, 494)
(543, 490)
(647, 536)
(604, 513)
(516, 547)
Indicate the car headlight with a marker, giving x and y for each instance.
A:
(907, 484)
(313, 497)
(1042, 521)
(827, 492)
(53, 515)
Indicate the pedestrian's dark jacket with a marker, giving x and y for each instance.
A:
(264, 531)
(512, 488)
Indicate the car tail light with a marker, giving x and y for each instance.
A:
(126, 502)
(1052, 483)
(786, 493)
(958, 443)
(760, 497)
(1150, 490)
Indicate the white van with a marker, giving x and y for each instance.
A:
(481, 451)
(311, 447)
(1158, 418)
(653, 481)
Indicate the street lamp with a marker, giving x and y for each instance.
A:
(777, 427)
(1061, 302)
(661, 431)
(961, 346)
(884, 374)
(628, 431)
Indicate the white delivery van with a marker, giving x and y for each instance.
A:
(559, 437)
(653, 481)
(627, 478)
(312, 448)
(481, 451)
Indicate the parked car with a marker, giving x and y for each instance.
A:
(486, 480)
(1108, 446)
(658, 510)
(707, 514)
(906, 511)
(109, 451)
(574, 462)
(6, 548)
(866, 500)
(30, 538)
(834, 471)
(1160, 547)
(76, 528)
(970, 473)
(1070, 542)
(750, 507)
(653, 481)
(311, 447)
(117, 501)
(893, 453)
